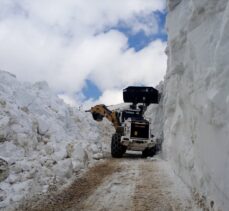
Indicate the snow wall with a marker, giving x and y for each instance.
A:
(43, 142)
(196, 97)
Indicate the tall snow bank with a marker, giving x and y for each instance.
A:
(43, 142)
(196, 101)
(155, 114)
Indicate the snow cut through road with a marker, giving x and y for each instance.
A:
(130, 183)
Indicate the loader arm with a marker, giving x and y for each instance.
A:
(100, 111)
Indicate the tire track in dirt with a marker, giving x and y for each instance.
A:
(127, 184)
(77, 192)
(116, 193)
(157, 191)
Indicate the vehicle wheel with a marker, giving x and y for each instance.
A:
(117, 150)
(145, 153)
(149, 152)
(152, 151)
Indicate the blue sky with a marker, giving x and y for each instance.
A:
(90, 90)
(138, 41)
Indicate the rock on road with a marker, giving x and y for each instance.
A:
(130, 183)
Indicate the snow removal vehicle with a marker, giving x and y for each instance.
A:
(132, 129)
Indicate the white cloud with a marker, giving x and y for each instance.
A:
(122, 66)
(63, 43)
(144, 22)
(109, 97)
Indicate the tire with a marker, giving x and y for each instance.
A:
(149, 152)
(117, 150)
(145, 153)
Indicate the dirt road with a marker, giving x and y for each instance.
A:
(130, 183)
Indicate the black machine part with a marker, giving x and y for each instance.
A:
(133, 114)
(97, 117)
(137, 94)
(139, 129)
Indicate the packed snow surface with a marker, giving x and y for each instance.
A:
(196, 97)
(43, 142)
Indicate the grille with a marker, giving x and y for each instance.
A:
(139, 130)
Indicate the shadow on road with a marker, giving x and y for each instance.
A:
(127, 155)
(133, 155)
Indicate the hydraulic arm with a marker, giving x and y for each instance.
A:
(100, 111)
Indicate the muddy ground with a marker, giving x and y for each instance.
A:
(130, 183)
